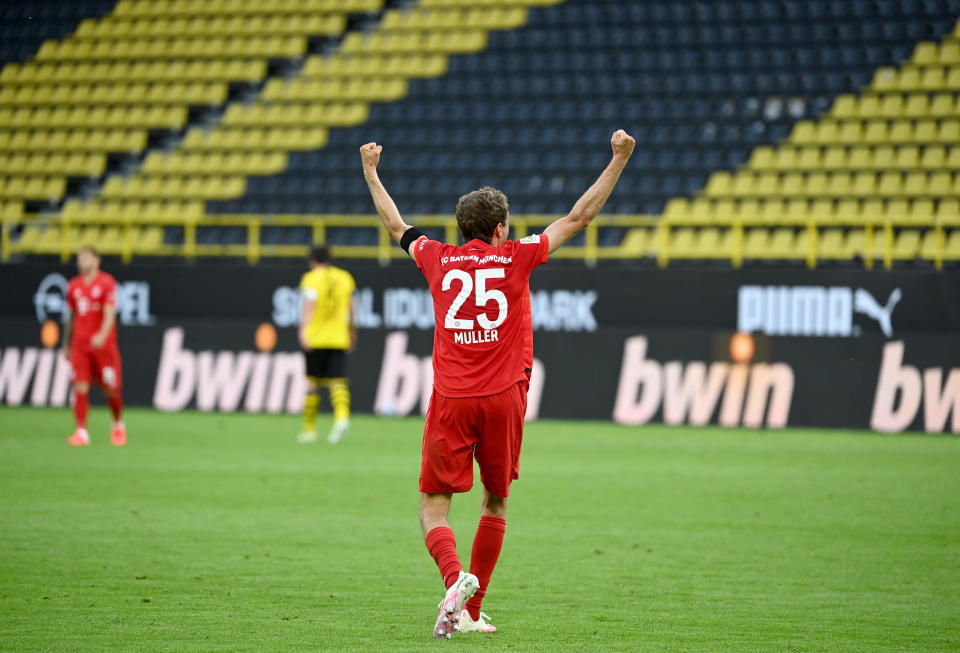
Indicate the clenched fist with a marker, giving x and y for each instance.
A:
(370, 155)
(622, 143)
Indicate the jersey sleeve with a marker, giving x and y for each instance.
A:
(306, 288)
(425, 254)
(109, 291)
(532, 251)
(71, 302)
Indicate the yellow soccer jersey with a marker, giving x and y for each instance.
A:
(331, 289)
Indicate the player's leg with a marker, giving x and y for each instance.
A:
(498, 455)
(487, 544)
(109, 374)
(311, 406)
(311, 401)
(438, 536)
(81, 364)
(434, 508)
(446, 468)
(339, 394)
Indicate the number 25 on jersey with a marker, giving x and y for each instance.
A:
(482, 298)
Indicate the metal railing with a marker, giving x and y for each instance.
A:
(880, 235)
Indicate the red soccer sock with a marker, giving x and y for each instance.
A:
(115, 401)
(443, 547)
(483, 558)
(81, 405)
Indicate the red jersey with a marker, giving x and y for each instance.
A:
(483, 340)
(86, 301)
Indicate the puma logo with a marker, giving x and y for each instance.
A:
(864, 302)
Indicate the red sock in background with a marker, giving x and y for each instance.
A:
(81, 404)
(115, 401)
(486, 551)
(443, 547)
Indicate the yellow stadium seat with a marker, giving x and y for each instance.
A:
(827, 131)
(851, 132)
(943, 105)
(869, 106)
(934, 157)
(933, 78)
(864, 184)
(845, 106)
(953, 79)
(907, 157)
(948, 132)
(948, 211)
(926, 52)
(876, 131)
(910, 79)
(832, 244)
(922, 212)
(915, 184)
(890, 184)
(816, 184)
(762, 158)
(848, 210)
(860, 157)
(835, 158)
(838, 184)
(719, 184)
(756, 243)
(772, 210)
(907, 244)
(901, 131)
(700, 210)
(941, 184)
(809, 158)
(917, 106)
(885, 79)
(792, 184)
(804, 132)
(949, 53)
(897, 211)
(744, 184)
(785, 158)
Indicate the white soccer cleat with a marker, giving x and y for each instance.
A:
(307, 437)
(451, 606)
(468, 625)
(339, 430)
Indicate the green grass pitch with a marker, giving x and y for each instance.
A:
(220, 533)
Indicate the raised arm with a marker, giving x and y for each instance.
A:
(590, 203)
(389, 214)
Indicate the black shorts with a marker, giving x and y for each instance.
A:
(326, 363)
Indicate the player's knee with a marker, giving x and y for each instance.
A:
(493, 505)
(82, 387)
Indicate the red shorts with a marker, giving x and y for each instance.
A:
(456, 430)
(101, 365)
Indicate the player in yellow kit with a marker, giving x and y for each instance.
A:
(327, 332)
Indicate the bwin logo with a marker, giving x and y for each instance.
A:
(811, 311)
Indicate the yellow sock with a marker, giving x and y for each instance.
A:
(340, 398)
(311, 404)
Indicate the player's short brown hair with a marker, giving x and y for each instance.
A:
(480, 211)
(89, 248)
(320, 254)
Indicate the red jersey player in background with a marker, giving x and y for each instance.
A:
(482, 358)
(90, 344)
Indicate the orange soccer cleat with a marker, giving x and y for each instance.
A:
(80, 438)
(118, 435)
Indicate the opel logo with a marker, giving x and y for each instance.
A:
(51, 298)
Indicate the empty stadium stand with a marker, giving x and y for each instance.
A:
(812, 131)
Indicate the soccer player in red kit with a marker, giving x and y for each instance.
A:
(482, 358)
(90, 344)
